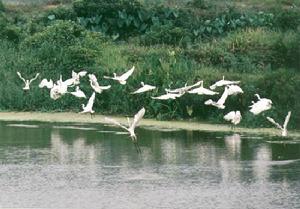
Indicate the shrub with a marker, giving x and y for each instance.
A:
(2, 7)
(166, 34)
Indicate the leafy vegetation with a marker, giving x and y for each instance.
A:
(199, 40)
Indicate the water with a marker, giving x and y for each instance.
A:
(44, 165)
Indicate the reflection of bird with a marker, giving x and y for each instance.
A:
(220, 103)
(95, 85)
(234, 117)
(131, 126)
(202, 91)
(27, 82)
(78, 93)
(189, 110)
(223, 82)
(261, 105)
(122, 79)
(283, 128)
(167, 96)
(46, 83)
(184, 89)
(89, 107)
(234, 90)
(144, 88)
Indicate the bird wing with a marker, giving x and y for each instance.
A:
(36, 76)
(108, 77)
(224, 96)
(69, 82)
(126, 75)
(91, 101)
(114, 122)
(137, 118)
(229, 116)
(287, 119)
(82, 73)
(273, 121)
(20, 76)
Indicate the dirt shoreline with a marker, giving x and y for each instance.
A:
(71, 117)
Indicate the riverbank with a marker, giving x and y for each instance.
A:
(71, 117)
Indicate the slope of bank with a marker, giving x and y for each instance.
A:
(70, 117)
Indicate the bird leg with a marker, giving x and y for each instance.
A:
(138, 149)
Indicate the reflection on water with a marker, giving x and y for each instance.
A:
(89, 166)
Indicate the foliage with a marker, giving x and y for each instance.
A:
(2, 7)
(249, 50)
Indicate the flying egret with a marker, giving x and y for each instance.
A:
(234, 90)
(167, 96)
(184, 89)
(131, 126)
(76, 76)
(45, 83)
(27, 82)
(223, 82)
(122, 79)
(89, 107)
(261, 105)
(234, 117)
(144, 88)
(220, 103)
(59, 89)
(78, 93)
(283, 128)
(202, 91)
(95, 85)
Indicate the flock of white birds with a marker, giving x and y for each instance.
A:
(231, 88)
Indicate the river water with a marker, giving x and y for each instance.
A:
(54, 165)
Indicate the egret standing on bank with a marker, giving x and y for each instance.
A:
(234, 117)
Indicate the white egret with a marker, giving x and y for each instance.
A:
(95, 85)
(220, 103)
(223, 82)
(89, 107)
(234, 117)
(184, 89)
(78, 93)
(202, 91)
(27, 82)
(283, 128)
(167, 96)
(261, 105)
(76, 76)
(234, 90)
(144, 88)
(122, 79)
(59, 89)
(131, 126)
(45, 83)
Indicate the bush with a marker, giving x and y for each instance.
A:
(166, 34)
(2, 7)
(249, 50)
(287, 19)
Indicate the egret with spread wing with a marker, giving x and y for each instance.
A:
(223, 82)
(27, 82)
(89, 107)
(261, 105)
(95, 85)
(167, 96)
(184, 89)
(283, 128)
(202, 91)
(78, 93)
(144, 88)
(45, 83)
(220, 103)
(122, 79)
(131, 126)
